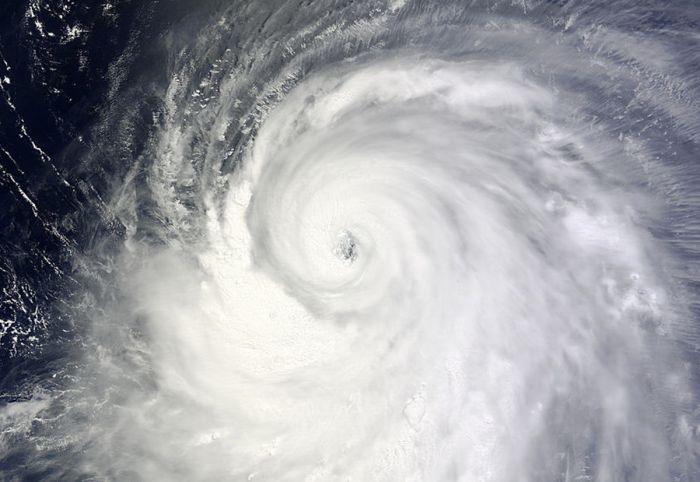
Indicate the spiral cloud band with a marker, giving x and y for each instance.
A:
(420, 241)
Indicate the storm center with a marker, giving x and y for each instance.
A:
(346, 247)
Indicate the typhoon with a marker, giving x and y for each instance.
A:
(351, 241)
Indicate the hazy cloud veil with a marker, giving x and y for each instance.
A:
(420, 240)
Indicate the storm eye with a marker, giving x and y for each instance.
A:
(346, 247)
